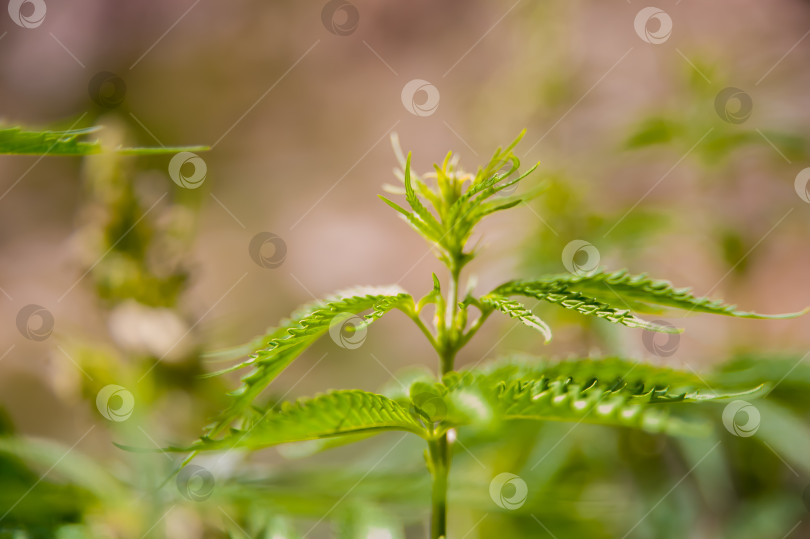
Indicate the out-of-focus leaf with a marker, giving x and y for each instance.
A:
(654, 130)
(611, 391)
(20, 141)
(786, 433)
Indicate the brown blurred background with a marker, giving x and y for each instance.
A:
(298, 118)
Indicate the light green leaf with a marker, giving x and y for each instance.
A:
(338, 413)
(281, 346)
(515, 309)
(641, 293)
(460, 200)
(18, 141)
(583, 304)
(610, 391)
(421, 212)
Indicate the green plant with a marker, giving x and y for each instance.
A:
(121, 241)
(444, 207)
(21, 141)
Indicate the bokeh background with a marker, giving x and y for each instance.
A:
(650, 158)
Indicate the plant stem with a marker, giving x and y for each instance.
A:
(450, 335)
(439, 467)
(452, 299)
(423, 328)
(449, 339)
(465, 338)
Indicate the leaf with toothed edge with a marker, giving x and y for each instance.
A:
(281, 346)
(577, 302)
(638, 293)
(458, 211)
(351, 413)
(609, 391)
(515, 309)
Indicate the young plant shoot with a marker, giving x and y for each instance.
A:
(444, 207)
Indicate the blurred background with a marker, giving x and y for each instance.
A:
(672, 138)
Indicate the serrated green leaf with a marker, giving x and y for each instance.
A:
(610, 391)
(338, 413)
(515, 309)
(414, 222)
(641, 293)
(419, 209)
(459, 199)
(274, 351)
(18, 141)
(568, 299)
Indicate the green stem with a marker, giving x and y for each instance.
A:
(439, 468)
(449, 341)
(465, 338)
(421, 325)
(449, 333)
(452, 300)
